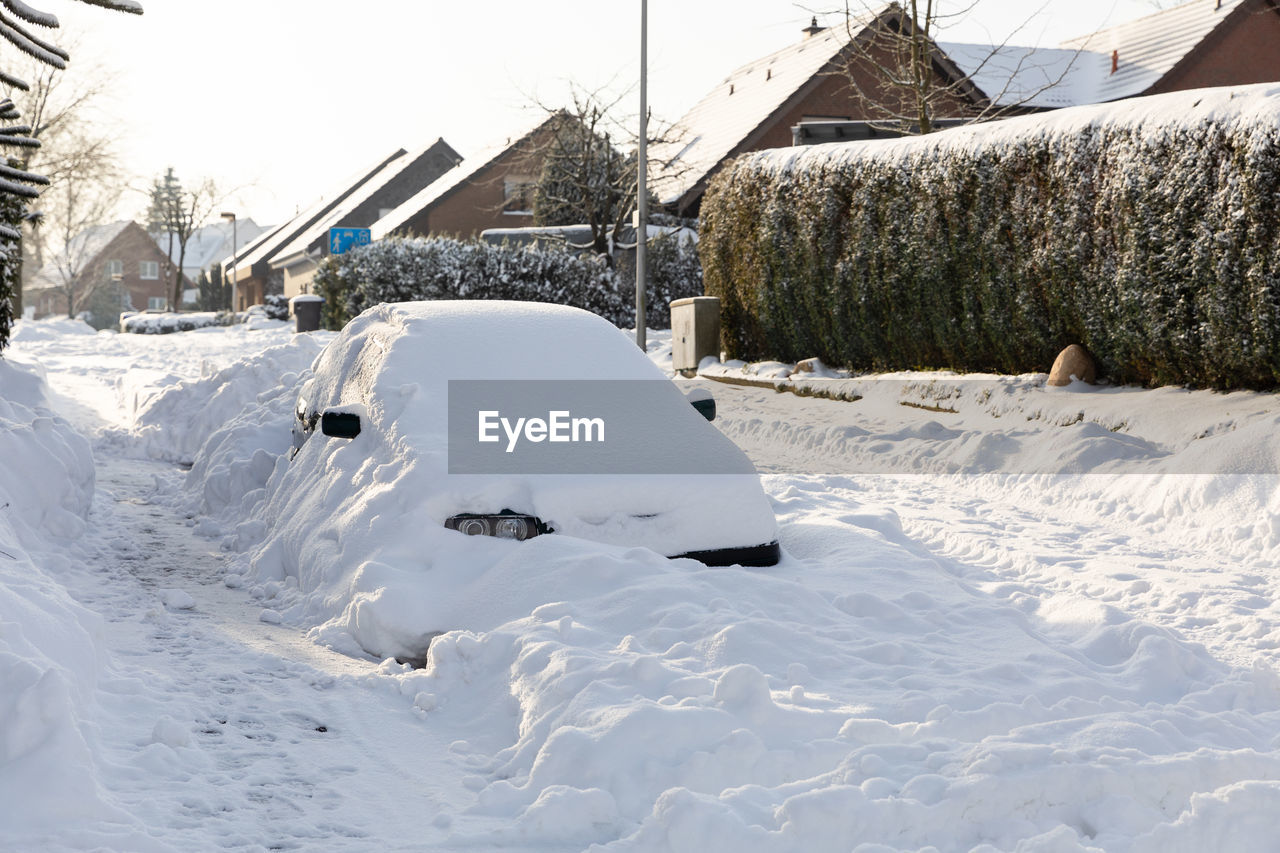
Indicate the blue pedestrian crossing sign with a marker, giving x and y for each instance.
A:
(342, 240)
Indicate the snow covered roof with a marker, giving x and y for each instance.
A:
(722, 120)
(1079, 70)
(77, 254)
(380, 179)
(450, 181)
(1045, 78)
(1076, 72)
(1147, 48)
(211, 243)
(269, 245)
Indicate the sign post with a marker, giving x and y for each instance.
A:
(343, 240)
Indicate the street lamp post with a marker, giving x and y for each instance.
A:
(642, 169)
(235, 247)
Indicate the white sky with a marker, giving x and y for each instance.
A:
(280, 100)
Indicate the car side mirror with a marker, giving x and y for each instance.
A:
(701, 399)
(340, 424)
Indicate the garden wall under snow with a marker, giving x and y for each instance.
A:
(1148, 230)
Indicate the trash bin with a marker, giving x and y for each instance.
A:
(695, 331)
(306, 312)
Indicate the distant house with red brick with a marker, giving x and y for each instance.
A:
(767, 103)
(490, 189)
(111, 268)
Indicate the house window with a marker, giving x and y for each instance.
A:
(115, 268)
(148, 269)
(157, 303)
(517, 194)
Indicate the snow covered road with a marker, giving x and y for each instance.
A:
(944, 661)
(1087, 545)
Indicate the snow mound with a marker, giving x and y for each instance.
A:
(176, 422)
(51, 649)
(27, 331)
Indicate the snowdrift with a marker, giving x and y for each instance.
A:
(51, 651)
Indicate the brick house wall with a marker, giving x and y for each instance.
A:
(437, 160)
(134, 248)
(484, 200)
(1248, 52)
(145, 274)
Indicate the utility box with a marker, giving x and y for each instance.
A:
(306, 312)
(695, 331)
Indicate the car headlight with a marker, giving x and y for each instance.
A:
(503, 525)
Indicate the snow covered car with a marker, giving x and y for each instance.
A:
(392, 411)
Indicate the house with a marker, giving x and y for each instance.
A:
(92, 264)
(283, 259)
(492, 189)
(211, 244)
(395, 183)
(755, 107)
(250, 269)
(1194, 45)
(808, 85)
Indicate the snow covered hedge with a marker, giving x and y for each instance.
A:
(1148, 230)
(168, 323)
(407, 269)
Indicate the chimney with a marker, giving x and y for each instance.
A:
(813, 29)
(1115, 60)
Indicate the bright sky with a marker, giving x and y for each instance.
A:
(279, 101)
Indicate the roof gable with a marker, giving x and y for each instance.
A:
(313, 237)
(734, 110)
(1079, 71)
(468, 171)
(268, 246)
(80, 252)
(1148, 48)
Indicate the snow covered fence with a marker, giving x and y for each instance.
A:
(407, 269)
(1148, 230)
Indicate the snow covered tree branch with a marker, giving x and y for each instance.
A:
(898, 74)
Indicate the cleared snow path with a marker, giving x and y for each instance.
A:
(223, 730)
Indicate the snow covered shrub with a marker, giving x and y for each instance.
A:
(407, 269)
(277, 305)
(1147, 230)
(674, 272)
(164, 324)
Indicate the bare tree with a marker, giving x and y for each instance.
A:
(17, 183)
(84, 211)
(905, 82)
(175, 214)
(74, 148)
(588, 175)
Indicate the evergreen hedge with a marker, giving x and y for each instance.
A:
(408, 269)
(1147, 231)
